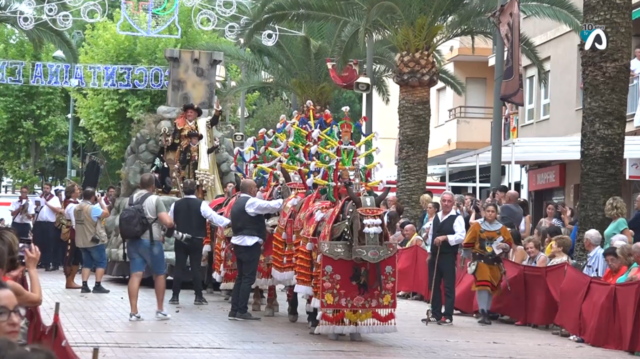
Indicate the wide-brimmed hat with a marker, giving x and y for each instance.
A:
(193, 107)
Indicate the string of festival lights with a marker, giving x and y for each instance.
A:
(142, 18)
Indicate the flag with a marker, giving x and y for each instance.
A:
(507, 19)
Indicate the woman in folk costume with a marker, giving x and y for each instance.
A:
(73, 255)
(487, 241)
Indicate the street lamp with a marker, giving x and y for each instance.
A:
(60, 57)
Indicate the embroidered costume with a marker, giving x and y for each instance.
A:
(482, 241)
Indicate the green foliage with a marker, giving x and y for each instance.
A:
(42, 34)
(110, 116)
(264, 112)
(32, 119)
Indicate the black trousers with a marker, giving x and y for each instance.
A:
(247, 259)
(444, 271)
(22, 229)
(191, 248)
(47, 237)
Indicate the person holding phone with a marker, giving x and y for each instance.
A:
(91, 238)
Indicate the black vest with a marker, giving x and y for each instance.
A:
(188, 218)
(444, 228)
(243, 224)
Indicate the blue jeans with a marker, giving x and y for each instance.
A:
(142, 254)
(94, 257)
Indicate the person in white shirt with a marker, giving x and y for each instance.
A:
(635, 63)
(190, 216)
(45, 232)
(22, 211)
(446, 235)
(249, 233)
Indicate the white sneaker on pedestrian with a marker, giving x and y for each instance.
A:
(135, 317)
(162, 315)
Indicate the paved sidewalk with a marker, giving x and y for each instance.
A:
(204, 332)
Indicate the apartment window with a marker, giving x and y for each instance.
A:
(530, 99)
(545, 98)
(443, 114)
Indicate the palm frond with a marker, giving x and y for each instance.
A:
(451, 81)
(562, 11)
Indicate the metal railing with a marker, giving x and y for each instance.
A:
(633, 95)
(471, 112)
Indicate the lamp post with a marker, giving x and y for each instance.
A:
(59, 56)
(496, 124)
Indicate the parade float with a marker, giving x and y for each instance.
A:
(159, 146)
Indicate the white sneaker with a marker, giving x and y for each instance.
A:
(162, 315)
(135, 317)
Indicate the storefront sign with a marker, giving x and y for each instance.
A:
(547, 177)
(633, 169)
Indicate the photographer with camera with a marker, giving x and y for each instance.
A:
(91, 238)
(12, 270)
(190, 216)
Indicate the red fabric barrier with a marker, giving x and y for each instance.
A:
(412, 270)
(627, 296)
(541, 308)
(598, 325)
(572, 292)
(511, 302)
(604, 315)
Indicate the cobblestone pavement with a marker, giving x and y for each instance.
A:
(204, 332)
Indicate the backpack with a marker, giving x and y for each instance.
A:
(133, 221)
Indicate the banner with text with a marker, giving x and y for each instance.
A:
(113, 77)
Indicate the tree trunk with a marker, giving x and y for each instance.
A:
(414, 116)
(605, 76)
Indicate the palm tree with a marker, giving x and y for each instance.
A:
(42, 32)
(295, 64)
(605, 76)
(412, 30)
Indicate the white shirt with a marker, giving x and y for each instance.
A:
(31, 210)
(69, 213)
(207, 213)
(635, 66)
(46, 214)
(596, 264)
(254, 207)
(458, 228)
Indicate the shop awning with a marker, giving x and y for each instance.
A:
(635, 14)
(529, 150)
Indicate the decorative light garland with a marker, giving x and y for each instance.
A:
(58, 14)
(114, 77)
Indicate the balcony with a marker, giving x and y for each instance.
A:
(467, 128)
(470, 112)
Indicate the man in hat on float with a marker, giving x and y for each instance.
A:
(184, 124)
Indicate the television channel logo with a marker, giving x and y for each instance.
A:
(593, 36)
